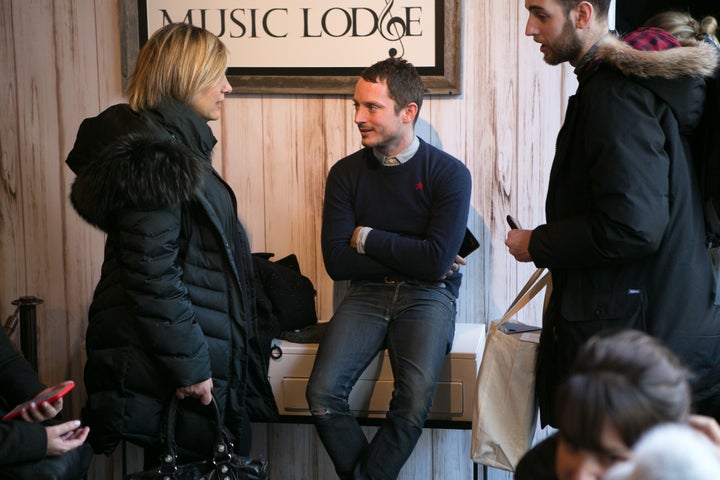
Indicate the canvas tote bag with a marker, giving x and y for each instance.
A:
(505, 407)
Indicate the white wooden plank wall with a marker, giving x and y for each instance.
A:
(61, 63)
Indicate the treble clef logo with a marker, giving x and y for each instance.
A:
(391, 28)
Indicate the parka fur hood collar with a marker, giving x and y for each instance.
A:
(135, 172)
(676, 75)
(145, 160)
(674, 63)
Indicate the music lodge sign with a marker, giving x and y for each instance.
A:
(310, 33)
(311, 37)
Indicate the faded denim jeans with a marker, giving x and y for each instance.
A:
(416, 323)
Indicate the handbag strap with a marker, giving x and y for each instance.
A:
(221, 450)
(527, 293)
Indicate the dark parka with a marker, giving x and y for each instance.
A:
(175, 303)
(625, 235)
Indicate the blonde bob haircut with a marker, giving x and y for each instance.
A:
(178, 61)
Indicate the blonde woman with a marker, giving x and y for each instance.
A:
(174, 308)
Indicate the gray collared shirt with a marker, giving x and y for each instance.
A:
(403, 156)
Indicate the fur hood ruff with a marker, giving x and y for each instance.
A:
(700, 60)
(136, 172)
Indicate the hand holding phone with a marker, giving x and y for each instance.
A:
(52, 394)
(518, 241)
(514, 224)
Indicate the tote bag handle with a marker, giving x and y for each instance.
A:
(531, 288)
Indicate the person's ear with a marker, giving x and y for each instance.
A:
(584, 13)
(410, 112)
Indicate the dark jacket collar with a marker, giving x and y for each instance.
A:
(186, 126)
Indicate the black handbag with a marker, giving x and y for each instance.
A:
(224, 465)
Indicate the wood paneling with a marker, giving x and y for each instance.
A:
(275, 152)
(12, 239)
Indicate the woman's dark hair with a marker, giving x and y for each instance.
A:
(626, 379)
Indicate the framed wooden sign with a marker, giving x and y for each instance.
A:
(311, 46)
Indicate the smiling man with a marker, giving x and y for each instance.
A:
(624, 237)
(394, 217)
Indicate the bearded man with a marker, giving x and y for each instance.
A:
(625, 237)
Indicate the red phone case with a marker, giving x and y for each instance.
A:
(51, 395)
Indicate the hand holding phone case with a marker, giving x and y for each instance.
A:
(51, 395)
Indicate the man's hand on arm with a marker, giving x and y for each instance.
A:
(357, 240)
(455, 266)
(354, 238)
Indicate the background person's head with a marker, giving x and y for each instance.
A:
(178, 62)
(684, 27)
(621, 385)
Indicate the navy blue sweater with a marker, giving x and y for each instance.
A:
(418, 212)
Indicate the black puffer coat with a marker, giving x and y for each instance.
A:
(175, 303)
(625, 237)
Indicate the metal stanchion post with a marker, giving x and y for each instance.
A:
(28, 328)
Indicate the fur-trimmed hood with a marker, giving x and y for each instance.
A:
(674, 63)
(676, 75)
(135, 172)
(143, 166)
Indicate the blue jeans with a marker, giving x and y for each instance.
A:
(416, 323)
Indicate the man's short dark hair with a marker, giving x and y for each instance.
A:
(403, 81)
(626, 378)
(602, 7)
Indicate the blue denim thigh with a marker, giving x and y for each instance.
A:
(419, 337)
(416, 322)
(356, 333)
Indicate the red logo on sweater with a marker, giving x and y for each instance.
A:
(418, 186)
